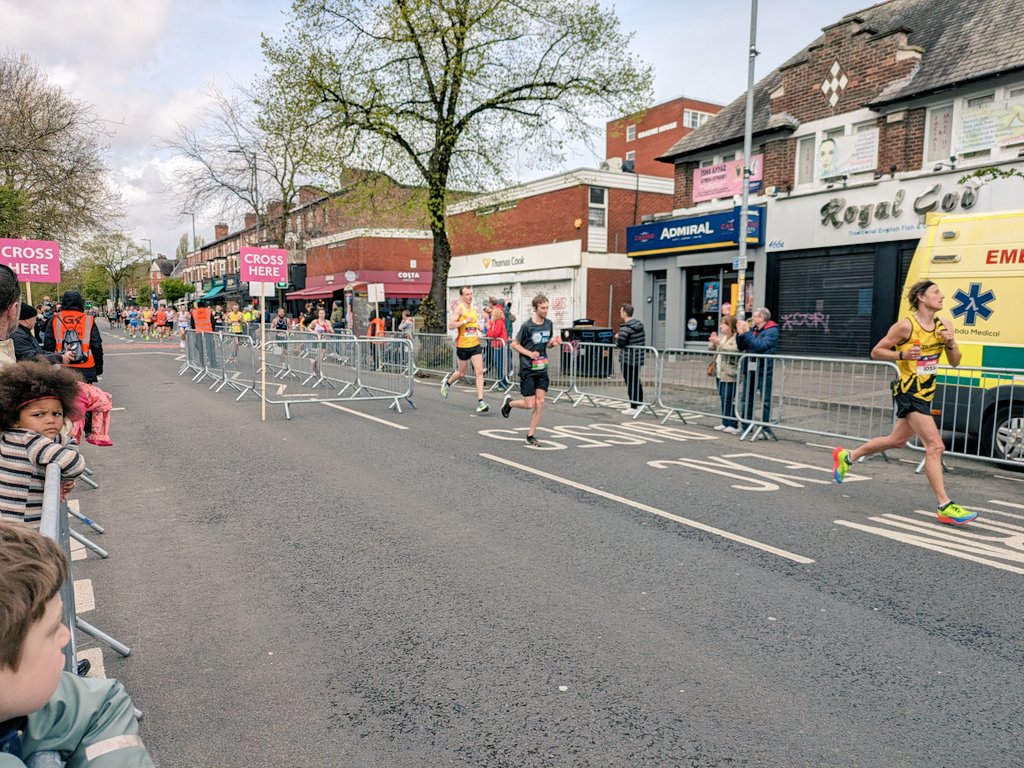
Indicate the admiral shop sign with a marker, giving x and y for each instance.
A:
(692, 233)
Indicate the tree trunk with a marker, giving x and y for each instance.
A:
(435, 307)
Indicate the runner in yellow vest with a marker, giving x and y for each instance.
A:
(466, 325)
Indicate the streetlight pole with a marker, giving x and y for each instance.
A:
(748, 127)
(193, 215)
(152, 290)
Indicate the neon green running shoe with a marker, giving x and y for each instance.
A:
(840, 463)
(954, 514)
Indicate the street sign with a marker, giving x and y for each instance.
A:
(35, 261)
(738, 263)
(262, 265)
(375, 292)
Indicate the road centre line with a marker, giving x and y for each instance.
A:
(365, 416)
(654, 511)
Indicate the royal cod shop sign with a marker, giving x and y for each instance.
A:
(33, 261)
(262, 269)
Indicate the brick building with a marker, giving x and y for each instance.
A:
(641, 138)
(858, 135)
(372, 230)
(563, 236)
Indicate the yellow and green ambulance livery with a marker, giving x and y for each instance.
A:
(977, 260)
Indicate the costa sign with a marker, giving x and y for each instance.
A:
(33, 261)
(263, 265)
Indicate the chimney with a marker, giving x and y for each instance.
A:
(220, 231)
(250, 221)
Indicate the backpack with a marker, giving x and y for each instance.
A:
(73, 344)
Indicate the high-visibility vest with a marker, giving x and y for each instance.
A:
(376, 327)
(203, 319)
(80, 323)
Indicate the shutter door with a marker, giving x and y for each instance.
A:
(825, 304)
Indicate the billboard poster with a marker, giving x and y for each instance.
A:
(726, 179)
(996, 124)
(846, 155)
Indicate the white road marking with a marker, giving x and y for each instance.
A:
(365, 416)
(968, 542)
(753, 478)
(85, 601)
(122, 408)
(1007, 477)
(78, 550)
(95, 657)
(654, 511)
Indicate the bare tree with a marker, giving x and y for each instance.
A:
(53, 176)
(238, 162)
(445, 93)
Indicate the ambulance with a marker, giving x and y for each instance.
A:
(977, 260)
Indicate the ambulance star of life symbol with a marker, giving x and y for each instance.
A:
(834, 84)
(973, 303)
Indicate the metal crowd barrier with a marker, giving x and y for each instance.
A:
(685, 390)
(832, 397)
(54, 524)
(598, 375)
(981, 413)
(304, 367)
(434, 352)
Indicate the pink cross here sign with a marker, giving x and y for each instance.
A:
(33, 261)
(263, 265)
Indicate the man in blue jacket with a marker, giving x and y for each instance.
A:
(760, 337)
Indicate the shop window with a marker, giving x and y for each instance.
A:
(805, 160)
(708, 292)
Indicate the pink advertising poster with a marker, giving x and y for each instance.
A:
(33, 261)
(263, 265)
(726, 179)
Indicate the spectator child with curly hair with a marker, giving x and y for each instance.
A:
(35, 398)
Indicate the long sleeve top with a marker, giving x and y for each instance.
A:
(23, 459)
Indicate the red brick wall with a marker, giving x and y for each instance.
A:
(548, 218)
(372, 253)
(598, 283)
(620, 214)
(648, 148)
(870, 65)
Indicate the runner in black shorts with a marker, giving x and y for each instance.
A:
(535, 336)
(915, 343)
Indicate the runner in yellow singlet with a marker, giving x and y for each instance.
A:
(915, 343)
(466, 325)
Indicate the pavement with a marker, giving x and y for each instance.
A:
(356, 587)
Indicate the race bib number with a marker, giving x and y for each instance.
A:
(928, 366)
(539, 364)
(470, 333)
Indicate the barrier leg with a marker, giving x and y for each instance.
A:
(103, 637)
(91, 523)
(88, 544)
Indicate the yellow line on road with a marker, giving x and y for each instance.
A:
(655, 511)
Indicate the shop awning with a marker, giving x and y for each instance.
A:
(400, 290)
(215, 291)
(317, 292)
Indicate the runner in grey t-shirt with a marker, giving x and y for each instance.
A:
(532, 342)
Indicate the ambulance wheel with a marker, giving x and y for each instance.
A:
(1003, 435)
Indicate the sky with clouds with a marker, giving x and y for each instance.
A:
(146, 66)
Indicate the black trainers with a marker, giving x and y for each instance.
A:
(82, 667)
(506, 405)
(532, 441)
